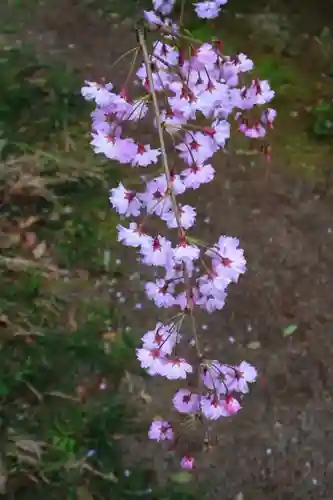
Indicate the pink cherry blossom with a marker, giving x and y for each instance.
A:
(177, 368)
(204, 58)
(227, 258)
(207, 9)
(212, 407)
(160, 430)
(215, 376)
(187, 462)
(230, 405)
(197, 148)
(161, 293)
(186, 401)
(158, 252)
(124, 201)
(187, 216)
(163, 6)
(152, 17)
(184, 251)
(152, 360)
(239, 377)
(133, 236)
(163, 338)
(100, 93)
(197, 175)
(200, 93)
(145, 156)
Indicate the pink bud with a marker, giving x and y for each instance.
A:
(187, 462)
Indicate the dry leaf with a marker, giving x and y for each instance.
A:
(8, 240)
(27, 459)
(109, 336)
(30, 445)
(71, 319)
(39, 250)
(35, 185)
(29, 222)
(62, 395)
(145, 397)
(3, 476)
(30, 239)
(4, 321)
(83, 494)
(255, 344)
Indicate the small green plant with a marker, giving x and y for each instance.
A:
(322, 121)
(325, 41)
(37, 99)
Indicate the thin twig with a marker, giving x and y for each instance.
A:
(165, 163)
(182, 12)
(120, 58)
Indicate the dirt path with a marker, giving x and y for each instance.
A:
(279, 447)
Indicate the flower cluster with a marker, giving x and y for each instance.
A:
(197, 97)
(206, 9)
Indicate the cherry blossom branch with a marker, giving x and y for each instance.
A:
(181, 85)
(165, 163)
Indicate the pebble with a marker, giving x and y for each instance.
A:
(254, 345)
(239, 496)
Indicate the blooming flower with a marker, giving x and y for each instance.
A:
(187, 462)
(203, 83)
(125, 202)
(197, 175)
(161, 293)
(214, 406)
(152, 17)
(240, 375)
(177, 368)
(186, 401)
(214, 376)
(207, 9)
(184, 251)
(145, 156)
(160, 430)
(157, 252)
(133, 236)
(187, 217)
(164, 6)
(98, 92)
(163, 338)
(152, 360)
(227, 258)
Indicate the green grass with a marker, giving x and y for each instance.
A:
(37, 100)
(60, 429)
